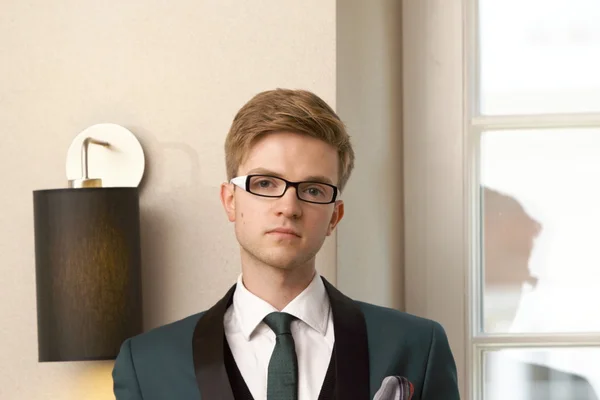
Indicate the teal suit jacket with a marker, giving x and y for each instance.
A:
(184, 360)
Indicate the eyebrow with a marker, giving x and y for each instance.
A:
(312, 178)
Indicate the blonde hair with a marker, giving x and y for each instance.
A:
(280, 110)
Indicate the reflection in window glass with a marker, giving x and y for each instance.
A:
(541, 231)
(539, 56)
(537, 374)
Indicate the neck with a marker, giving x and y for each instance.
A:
(276, 286)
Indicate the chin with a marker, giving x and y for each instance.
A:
(286, 259)
(283, 262)
(279, 255)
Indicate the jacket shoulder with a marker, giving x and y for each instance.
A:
(158, 364)
(378, 317)
(166, 348)
(166, 338)
(396, 332)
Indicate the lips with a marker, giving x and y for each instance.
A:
(284, 231)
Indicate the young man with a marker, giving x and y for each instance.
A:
(282, 332)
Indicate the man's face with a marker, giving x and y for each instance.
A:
(294, 157)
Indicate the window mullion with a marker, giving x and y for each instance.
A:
(536, 340)
(545, 121)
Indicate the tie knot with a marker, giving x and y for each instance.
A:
(280, 322)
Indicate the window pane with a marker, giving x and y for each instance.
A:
(541, 231)
(539, 56)
(542, 374)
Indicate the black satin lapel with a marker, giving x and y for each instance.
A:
(328, 388)
(207, 344)
(352, 347)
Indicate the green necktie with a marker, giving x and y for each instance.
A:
(282, 382)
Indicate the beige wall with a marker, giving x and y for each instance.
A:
(370, 238)
(174, 73)
(437, 247)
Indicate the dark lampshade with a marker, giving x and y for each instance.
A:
(87, 255)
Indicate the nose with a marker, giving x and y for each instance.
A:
(289, 205)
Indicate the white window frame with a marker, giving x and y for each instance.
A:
(441, 132)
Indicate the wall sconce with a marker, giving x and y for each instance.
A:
(87, 249)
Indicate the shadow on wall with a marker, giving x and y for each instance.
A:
(184, 234)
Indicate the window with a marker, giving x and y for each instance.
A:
(534, 130)
(501, 134)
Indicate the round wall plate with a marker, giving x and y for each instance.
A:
(119, 165)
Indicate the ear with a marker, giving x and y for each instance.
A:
(336, 217)
(228, 200)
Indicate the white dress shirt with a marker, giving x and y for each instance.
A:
(252, 341)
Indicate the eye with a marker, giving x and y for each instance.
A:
(314, 191)
(264, 184)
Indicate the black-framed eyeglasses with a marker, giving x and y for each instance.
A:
(274, 186)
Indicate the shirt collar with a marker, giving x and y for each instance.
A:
(311, 306)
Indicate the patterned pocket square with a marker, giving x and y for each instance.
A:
(395, 388)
